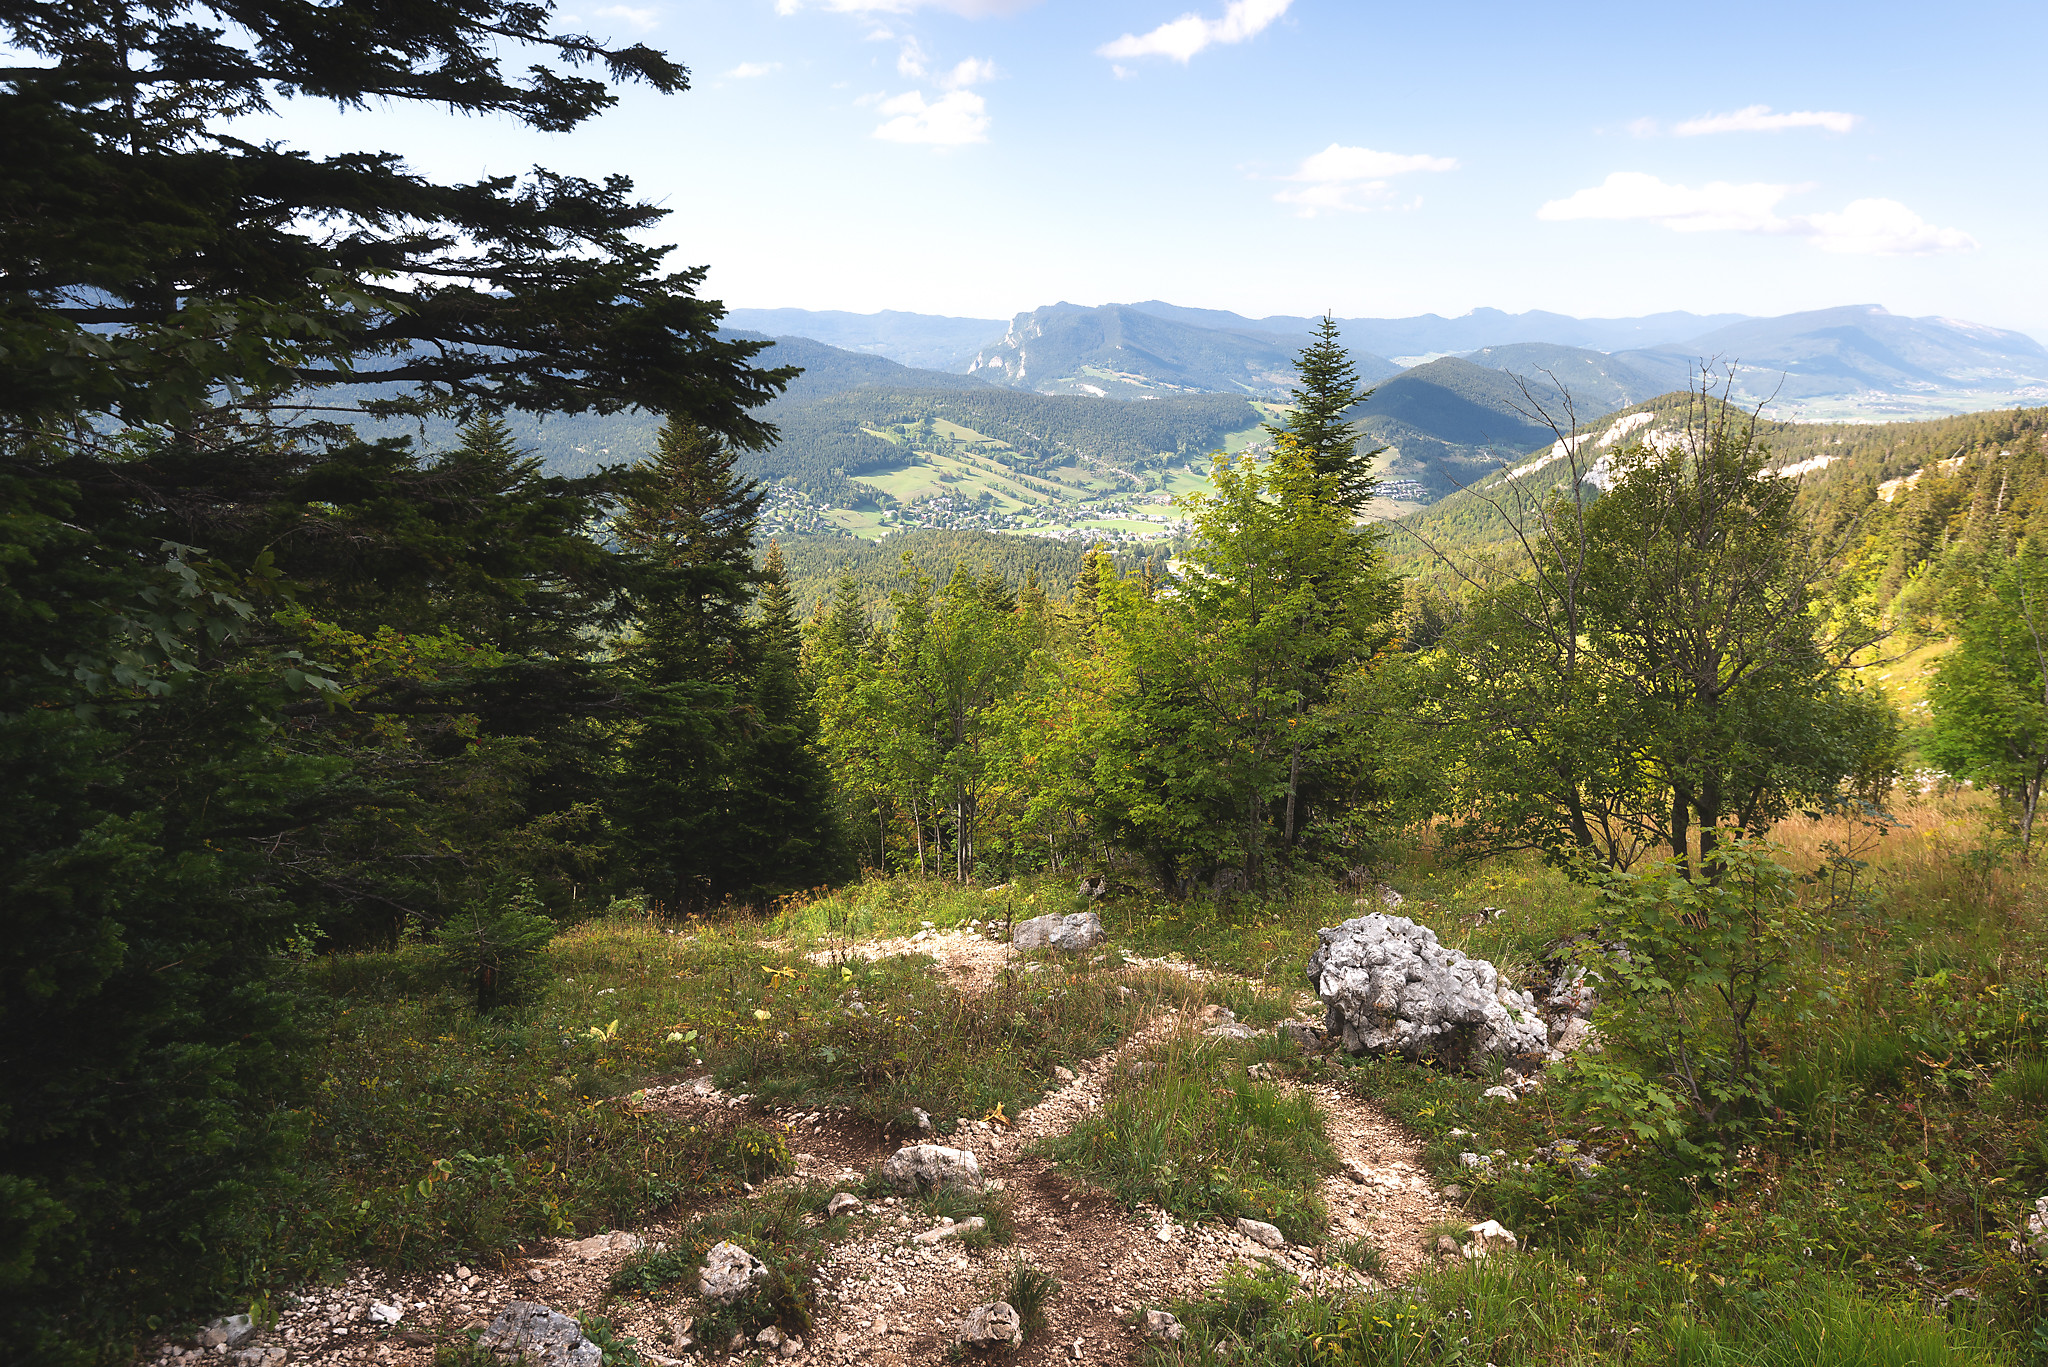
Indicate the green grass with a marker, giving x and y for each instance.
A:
(1195, 1136)
(1517, 1311)
(785, 1229)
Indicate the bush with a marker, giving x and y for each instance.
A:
(493, 948)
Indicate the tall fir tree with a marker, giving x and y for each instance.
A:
(1325, 393)
(722, 795)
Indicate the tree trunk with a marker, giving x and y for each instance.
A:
(1293, 783)
(1681, 829)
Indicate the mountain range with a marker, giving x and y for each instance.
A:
(1853, 362)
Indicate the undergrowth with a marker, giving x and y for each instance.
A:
(1187, 1130)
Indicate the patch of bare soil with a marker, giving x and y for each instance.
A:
(885, 1298)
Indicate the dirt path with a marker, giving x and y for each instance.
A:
(885, 1299)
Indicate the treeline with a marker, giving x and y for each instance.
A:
(816, 565)
(1046, 430)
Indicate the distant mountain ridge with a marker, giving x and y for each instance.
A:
(1856, 362)
(1117, 351)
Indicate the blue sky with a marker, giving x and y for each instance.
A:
(1286, 156)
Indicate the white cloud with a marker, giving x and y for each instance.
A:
(1758, 118)
(1883, 227)
(643, 19)
(969, 71)
(1182, 38)
(910, 61)
(747, 71)
(951, 120)
(1866, 227)
(1352, 178)
(1719, 206)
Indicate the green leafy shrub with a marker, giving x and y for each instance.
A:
(1709, 968)
(493, 947)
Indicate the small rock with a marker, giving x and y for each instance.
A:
(1453, 1192)
(1498, 1094)
(535, 1275)
(1073, 933)
(1160, 1325)
(990, 1325)
(1062, 1073)
(1231, 1030)
(600, 1246)
(792, 1347)
(1474, 1160)
(1446, 1246)
(973, 1224)
(1488, 1237)
(771, 1337)
(921, 1168)
(536, 1336)
(1311, 1037)
(730, 1272)
(840, 1204)
(462, 1274)
(260, 1357)
(229, 1331)
(381, 1313)
(923, 1119)
(1263, 1233)
(1261, 1072)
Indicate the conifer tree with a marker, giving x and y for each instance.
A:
(1326, 391)
(690, 519)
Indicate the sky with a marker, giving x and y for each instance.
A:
(987, 157)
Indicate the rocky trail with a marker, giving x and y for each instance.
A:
(898, 1287)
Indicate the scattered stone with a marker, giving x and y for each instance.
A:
(1498, 1094)
(1447, 1247)
(536, 1336)
(1488, 1237)
(1075, 932)
(1452, 1191)
(923, 1119)
(921, 1168)
(1260, 1072)
(973, 1224)
(1161, 1325)
(771, 1337)
(1389, 987)
(792, 1346)
(1261, 1232)
(1094, 886)
(1474, 1160)
(1311, 1037)
(601, 1246)
(1062, 1073)
(229, 1331)
(730, 1272)
(260, 1357)
(992, 1325)
(381, 1313)
(1356, 1171)
(535, 1275)
(1231, 1030)
(840, 1204)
